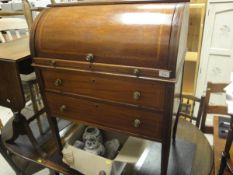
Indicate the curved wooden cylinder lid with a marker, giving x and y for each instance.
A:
(142, 35)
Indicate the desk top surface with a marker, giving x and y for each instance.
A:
(202, 163)
(15, 50)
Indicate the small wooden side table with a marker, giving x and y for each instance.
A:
(15, 58)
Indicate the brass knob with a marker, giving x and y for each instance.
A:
(136, 72)
(63, 108)
(58, 82)
(136, 95)
(90, 57)
(136, 123)
(52, 62)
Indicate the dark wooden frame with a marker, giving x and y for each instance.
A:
(212, 109)
(189, 115)
(225, 153)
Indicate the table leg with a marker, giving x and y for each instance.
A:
(20, 126)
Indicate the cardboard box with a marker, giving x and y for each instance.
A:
(91, 164)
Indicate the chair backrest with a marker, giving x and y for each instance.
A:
(12, 28)
(209, 107)
(191, 108)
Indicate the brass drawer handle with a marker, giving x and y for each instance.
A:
(136, 123)
(90, 57)
(52, 62)
(63, 108)
(58, 82)
(136, 72)
(136, 95)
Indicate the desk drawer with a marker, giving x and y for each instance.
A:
(142, 123)
(113, 88)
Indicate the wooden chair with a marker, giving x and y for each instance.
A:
(190, 108)
(209, 108)
(225, 154)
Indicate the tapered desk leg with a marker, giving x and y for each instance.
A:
(20, 126)
(166, 148)
(175, 127)
(55, 131)
(166, 138)
(165, 157)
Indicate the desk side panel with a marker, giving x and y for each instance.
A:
(11, 92)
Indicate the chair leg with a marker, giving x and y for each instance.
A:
(222, 164)
(175, 127)
(225, 153)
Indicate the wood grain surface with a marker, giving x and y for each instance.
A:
(112, 42)
(15, 50)
(144, 37)
(11, 92)
(115, 117)
(107, 87)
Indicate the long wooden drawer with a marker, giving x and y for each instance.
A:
(113, 88)
(138, 122)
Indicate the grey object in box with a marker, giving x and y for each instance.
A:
(112, 147)
(91, 132)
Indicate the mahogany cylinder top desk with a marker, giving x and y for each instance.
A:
(114, 65)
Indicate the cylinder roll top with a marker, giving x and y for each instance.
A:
(118, 34)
